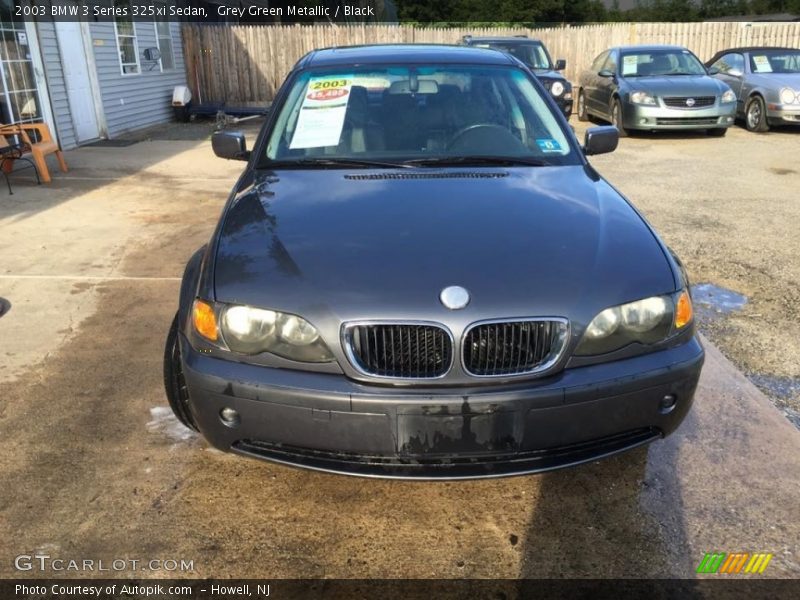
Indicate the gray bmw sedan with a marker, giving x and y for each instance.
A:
(419, 275)
(653, 88)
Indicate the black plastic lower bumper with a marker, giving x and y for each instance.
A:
(330, 423)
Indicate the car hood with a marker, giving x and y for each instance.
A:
(339, 245)
(679, 85)
(549, 75)
(776, 81)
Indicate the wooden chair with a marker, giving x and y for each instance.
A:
(39, 146)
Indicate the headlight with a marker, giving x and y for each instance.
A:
(557, 88)
(789, 96)
(729, 96)
(250, 330)
(646, 321)
(643, 98)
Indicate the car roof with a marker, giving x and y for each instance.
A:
(503, 39)
(755, 49)
(649, 47)
(403, 53)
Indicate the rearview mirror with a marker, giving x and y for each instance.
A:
(230, 145)
(561, 64)
(600, 140)
(606, 73)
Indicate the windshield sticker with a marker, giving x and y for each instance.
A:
(548, 145)
(762, 64)
(322, 114)
(630, 64)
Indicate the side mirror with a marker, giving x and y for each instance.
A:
(713, 71)
(230, 145)
(734, 73)
(600, 140)
(606, 73)
(561, 64)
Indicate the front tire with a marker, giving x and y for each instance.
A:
(617, 117)
(174, 381)
(755, 115)
(718, 132)
(582, 114)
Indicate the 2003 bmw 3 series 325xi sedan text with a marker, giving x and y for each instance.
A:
(419, 275)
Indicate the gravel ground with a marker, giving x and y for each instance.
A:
(730, 208)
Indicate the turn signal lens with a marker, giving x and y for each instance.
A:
(683, 311)
(205, 321)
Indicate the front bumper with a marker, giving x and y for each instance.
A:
(783, 113)
(636, 116)
(330, 423)
(565, 103)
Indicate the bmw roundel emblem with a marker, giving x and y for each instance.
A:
(454, 297)
(690, 102)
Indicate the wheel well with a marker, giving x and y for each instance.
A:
(189, 286)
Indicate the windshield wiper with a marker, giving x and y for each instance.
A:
(339, 162)
(679, 73)
(507, 161)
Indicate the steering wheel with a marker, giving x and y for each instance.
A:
(470, 128)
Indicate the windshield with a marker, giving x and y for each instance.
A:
(660, 63)
(426, 113)
(781, 61)
(533, 55)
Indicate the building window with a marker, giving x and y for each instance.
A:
(19, 96)
(164, 39)
(126, 41)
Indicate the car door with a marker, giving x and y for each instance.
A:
(591, 82)
(607, 85)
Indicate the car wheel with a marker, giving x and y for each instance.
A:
(616, 117)
(582, 114)
(174, 381)
(718, 132)
(755, 115)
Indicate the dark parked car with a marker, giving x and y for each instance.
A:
(653, 88)
(766, 82)
(535, 56)
(418, 274)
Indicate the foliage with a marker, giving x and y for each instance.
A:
(528, 13)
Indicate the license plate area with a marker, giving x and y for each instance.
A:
(457, 430)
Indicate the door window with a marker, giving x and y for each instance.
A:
(730, 62)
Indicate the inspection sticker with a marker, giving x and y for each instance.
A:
(630, 64)
(762, 64)
(322, 113)
(548, 145)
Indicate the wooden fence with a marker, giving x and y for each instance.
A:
(246, 63)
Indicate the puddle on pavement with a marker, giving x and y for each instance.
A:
(712, 301)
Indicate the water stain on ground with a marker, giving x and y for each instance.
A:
(712, 301)
(782, 171)
(712, 305)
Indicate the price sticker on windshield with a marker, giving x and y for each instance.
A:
(322, 113)
(630, 64)
(762, 64)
